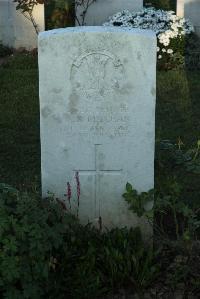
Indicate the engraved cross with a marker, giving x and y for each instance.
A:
(97, 172)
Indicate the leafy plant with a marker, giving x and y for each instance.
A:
(105, 262)
(167, 202)
(178, 155)
(180, 238)
(31, 230)
(138, 202)
(46, 253)
(128, 260)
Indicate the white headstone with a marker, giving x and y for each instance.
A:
(16, 30)
(190, 9)
(99, 11)
(97, 101)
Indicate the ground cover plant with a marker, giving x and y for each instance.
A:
(46, 253)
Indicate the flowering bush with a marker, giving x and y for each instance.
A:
(170, 29)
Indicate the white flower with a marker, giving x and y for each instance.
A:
(150, 18)
(170, 51)
(159, 56)
(165, 24)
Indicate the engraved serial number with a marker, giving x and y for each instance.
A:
(100, 125)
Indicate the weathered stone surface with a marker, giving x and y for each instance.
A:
(97, 101)
(17, 31)
(101, 10)
(190, 9)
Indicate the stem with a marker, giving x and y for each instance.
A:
(31, 19)
(77, 19)
(85, 5)
(34, 24)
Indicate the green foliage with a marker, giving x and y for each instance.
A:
(30, 232)
(59, 14)
(177, 154)
(138, 202)
(46, 253)
(168, 202)
(176, 230)
(105, 262)
(177, 60)
(171, 204)
(128, 260)
(192, 52)
(19, 133)
(186, 53)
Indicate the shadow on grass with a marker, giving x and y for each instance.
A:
(19, 122)
(177, 119)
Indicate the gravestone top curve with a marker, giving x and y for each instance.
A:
(97, 29)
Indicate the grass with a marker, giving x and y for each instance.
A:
(177, 115)
(19, 122)
(177, 118)
(178, 106)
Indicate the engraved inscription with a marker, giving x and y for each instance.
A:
(97, 75)
(99, 125)
(97, 79)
